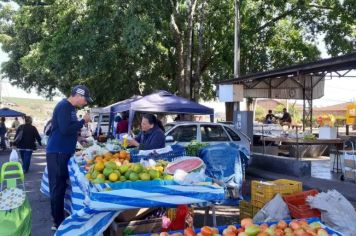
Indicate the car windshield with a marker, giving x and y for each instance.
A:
(168, 127)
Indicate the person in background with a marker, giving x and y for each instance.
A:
(123, 124)
(151, 135)
(27, 143)
(15, 123)
(178, 118)
(269, 117)
(61, 146)
(286, 118)
(3, 131)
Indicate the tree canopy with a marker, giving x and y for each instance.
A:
(121, 48)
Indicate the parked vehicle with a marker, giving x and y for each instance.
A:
(104, 123)
(213, 133)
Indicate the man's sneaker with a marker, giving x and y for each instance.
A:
(54, 228)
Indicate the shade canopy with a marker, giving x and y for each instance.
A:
(158, 102)
(162, 102)
(7, 112)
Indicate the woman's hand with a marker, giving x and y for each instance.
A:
(133, 142)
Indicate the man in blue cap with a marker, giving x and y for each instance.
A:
(61, 146)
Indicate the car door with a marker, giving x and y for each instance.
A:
(183, 134)
(213, 134)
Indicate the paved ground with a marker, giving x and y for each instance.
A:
(41, 218)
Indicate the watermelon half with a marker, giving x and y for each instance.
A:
(188, 164)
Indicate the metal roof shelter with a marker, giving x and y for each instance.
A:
(304, 81)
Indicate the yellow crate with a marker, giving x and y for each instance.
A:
(255, 210)
(247, 210)
(263, 192)
(244, 215)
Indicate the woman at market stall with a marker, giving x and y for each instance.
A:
(151, 135)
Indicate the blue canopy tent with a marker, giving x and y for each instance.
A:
(117, 107)
(7, 112)
(161, 102)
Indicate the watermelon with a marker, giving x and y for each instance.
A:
(188, 164)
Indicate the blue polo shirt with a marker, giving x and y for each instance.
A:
(65, 127)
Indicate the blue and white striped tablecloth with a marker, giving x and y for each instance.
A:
(93, 211)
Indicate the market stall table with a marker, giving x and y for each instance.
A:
(299, 144)
(95, 206)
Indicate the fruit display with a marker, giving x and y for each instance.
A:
(326, 120)
(188, 164)
(248, 228)
(117, 168)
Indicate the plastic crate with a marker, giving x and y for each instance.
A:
(246, 209)
(255, 210)
(298, 206)
(263, 192)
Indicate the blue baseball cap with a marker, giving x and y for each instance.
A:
(82, 90)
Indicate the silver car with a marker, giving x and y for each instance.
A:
(213, 133)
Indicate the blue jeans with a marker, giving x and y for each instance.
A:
(26, 159)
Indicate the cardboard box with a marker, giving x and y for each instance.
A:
(136, 227)
(327, 133)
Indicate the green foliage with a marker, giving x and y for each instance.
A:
(260, 113)
(194, 147)
(121, 48)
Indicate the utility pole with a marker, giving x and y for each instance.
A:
(237, 40)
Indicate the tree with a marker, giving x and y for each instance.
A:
(121, 48)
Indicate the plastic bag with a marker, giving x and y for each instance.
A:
(336, 211)
(274, 210)
(14, 157)
(223, 162)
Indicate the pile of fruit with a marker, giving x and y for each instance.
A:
(248, 228)
(326, 120)
(117, 168)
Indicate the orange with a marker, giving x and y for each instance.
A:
(122, 154)
(98, 158)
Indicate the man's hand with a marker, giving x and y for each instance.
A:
(86, 118)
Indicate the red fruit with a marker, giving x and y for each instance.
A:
(189, 232)
(294, 225)
(246, 222)
(206, 231)
(228, 232)
(232, 228)
(299, 232)
(282, 224)
(263, 227)
(278, 232)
